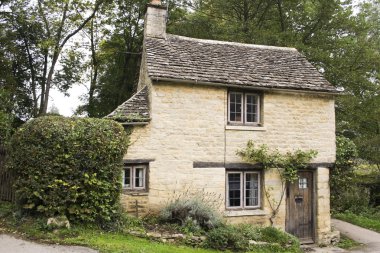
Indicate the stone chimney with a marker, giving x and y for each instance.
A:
(155, 20)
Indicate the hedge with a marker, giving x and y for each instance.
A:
(69, 166)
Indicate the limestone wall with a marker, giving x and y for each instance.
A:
(189, 123)
(323, 226)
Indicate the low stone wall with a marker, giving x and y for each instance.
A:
(135, 204)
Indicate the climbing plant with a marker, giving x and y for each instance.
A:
(287, 164)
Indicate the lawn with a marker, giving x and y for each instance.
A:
(93, 237)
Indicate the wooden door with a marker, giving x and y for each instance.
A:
(299, 203)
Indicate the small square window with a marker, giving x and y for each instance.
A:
(243, 108)
(134, 177)
(302, 183)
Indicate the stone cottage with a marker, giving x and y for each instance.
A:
(199, 101)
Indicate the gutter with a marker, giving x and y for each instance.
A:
(163, 79)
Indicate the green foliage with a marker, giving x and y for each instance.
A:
(287, 166)
(347, 243)
(354, 198)
(237, 238)
(370, 149)
(369, 219)
(192, 212)
(6, 117)
(69, 166)
(346, 153)
(36, 35)
(346, 193)
(287, 163)
(116, 56)
(227, 237)
(118, 241)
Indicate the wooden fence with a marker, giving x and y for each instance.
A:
(6, 179)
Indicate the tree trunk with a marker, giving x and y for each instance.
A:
(48, 83)
(33, 77)
(94, 74)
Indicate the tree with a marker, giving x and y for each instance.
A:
(116, 48)
(41, 31)
(6, 118)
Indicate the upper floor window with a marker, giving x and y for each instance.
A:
(243, 107)
(134, 177)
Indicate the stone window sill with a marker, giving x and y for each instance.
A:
(134, 192)
(245, 128)
(236, 213)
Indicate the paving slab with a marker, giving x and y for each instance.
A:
(10, 244)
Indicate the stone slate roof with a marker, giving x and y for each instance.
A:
(231, 64)
(134, 110)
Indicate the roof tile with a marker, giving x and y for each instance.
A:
(135, 109)
(234, 64)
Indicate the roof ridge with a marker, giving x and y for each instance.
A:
(232, 43)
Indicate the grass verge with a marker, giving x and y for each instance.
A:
(347, 243)
(93, 237)
(369, 220)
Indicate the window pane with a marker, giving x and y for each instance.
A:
(238, 98)
(238, 112)
(302, 183)
(235, 106)
(139, 177)
(234, 189)
(251, 189)
(252, 108)
(127, 177)
(233, 98)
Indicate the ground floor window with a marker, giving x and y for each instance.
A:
(243, 189)
(134, 177)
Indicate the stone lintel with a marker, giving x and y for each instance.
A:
(199, 164)
(137, 161)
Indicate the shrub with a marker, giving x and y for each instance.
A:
(237, 238)
(346, 193)
(227, 237)
(69, 166)
(193, 212)
(273, 235)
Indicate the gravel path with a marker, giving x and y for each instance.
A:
(370, 238)
(9, 244)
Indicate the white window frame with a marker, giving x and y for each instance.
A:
(241, 110)
(243, 190)
(132, 177)
(257, 110)
(244, 108)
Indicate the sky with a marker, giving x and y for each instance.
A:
(67, 104)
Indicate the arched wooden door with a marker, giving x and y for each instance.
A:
(299, 207)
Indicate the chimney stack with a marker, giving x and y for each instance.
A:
(155, 20)
(156, 2)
